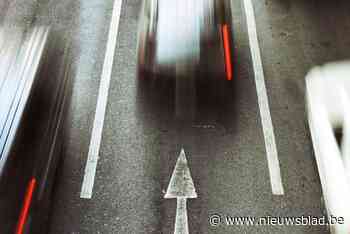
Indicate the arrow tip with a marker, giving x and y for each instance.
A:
(181, 183)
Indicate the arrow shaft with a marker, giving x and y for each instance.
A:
(181, 222)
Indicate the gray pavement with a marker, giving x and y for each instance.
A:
(224, 142)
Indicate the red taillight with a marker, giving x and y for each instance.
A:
(26, 205)
(227, 51)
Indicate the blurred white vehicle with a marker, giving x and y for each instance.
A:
(194, 33)
(328, 106)
(34, 98)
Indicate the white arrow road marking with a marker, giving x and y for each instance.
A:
(96, 135)
(270, 143)
(181, 187)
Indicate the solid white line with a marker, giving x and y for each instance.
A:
(96, 135)
(270, 144)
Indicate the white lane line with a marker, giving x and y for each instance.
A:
(270, 143)
(96, 135)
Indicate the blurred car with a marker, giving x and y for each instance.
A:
(328, 102)
(33, 101)
(181, 36)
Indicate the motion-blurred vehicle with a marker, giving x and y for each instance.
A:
(328, 102)
(181, 36)
(33, 98)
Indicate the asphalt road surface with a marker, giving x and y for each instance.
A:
(221, 133)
